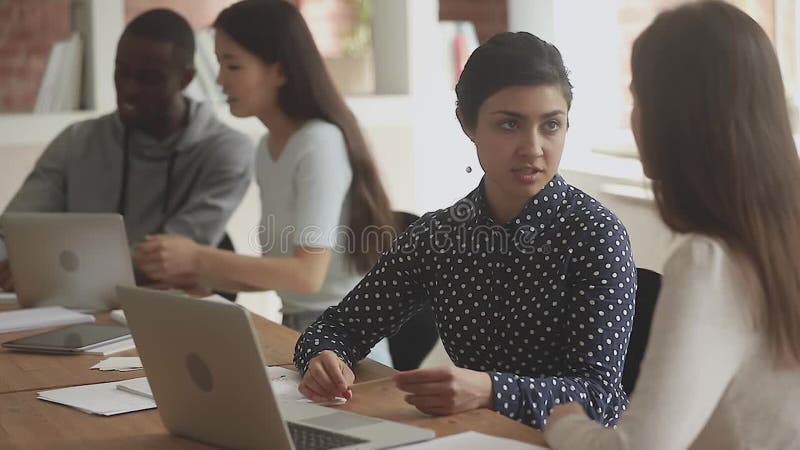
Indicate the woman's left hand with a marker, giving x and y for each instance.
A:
(164, 257)
(560, 411)
(446, 390)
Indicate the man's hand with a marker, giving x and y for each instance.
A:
(327, 377)
(446, 390)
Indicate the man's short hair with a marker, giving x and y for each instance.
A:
(165, 25)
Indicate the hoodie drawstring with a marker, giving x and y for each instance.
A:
(122, 202)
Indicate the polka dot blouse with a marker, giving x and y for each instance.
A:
(544, 303)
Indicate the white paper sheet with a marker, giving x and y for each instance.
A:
(102, 399)
(285, 383)
(33, 318)
(472, 440)
(136, 386)
(120, 363)
(284, 386)
(118, 315)
(110, 349)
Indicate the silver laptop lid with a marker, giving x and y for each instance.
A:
(205, 369)
(207, 374)
(73, 260)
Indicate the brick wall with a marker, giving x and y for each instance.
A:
(329, 20)
(489, 16)
(199, 13)
(27, 31)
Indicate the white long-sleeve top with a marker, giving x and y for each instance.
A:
(707, 380)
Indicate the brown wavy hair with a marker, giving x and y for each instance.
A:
(715, 138)
(275, 31)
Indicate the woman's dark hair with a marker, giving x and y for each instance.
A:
(275, 31)
(714, 135)
(509, 59)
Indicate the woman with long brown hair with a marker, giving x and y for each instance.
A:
(325, 214)
(722, 368)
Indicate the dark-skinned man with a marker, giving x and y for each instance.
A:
(162, 160)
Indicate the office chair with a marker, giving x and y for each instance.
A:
(417, 337)
(226, 244)
(648, 286)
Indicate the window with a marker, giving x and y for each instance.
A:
(596, 38)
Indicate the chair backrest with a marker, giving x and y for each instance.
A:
(404, 220)
(226, 244)
(648, 286)
(418, 336)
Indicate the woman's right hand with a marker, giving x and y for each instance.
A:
(327, 377)
(164, 257)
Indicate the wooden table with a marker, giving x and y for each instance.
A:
(28, 371)
(26, 422)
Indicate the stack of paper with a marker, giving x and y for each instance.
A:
(103, 399)
(119, 363)
(30, 319)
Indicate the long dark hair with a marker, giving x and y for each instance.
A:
(275, 31)
(715, 138)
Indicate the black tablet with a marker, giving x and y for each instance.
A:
(71, 339)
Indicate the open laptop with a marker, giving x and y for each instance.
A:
(209, 380)
(74, 260)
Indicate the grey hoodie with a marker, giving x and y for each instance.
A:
(82, 171)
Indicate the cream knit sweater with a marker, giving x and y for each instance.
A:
(707, 380)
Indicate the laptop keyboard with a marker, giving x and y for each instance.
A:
(309, 438)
